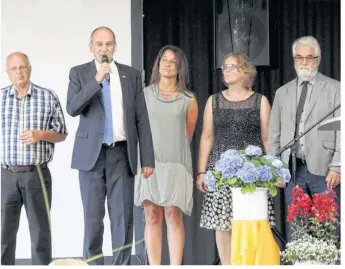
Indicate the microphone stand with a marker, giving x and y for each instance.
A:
(292, 145)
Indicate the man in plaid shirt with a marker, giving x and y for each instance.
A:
(32, 122)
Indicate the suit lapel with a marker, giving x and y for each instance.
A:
(124, 84)
(92, 72)
(292, 93)
(123, 80)
(317, 89)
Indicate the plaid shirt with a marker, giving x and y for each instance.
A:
(40, 109)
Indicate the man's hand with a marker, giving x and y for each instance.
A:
(30, 137)
(102, 71)
(146, 172)
(332, 179)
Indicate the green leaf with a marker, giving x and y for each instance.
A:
(220, 182)
(245, 189)
(252, 187)
(278, 180)
(256, 163)
(261, 184)
(264, 161)
(246, 159)
(272, 190)
(232, 181)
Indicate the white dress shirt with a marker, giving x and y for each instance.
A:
(300, 145)
(116, 102)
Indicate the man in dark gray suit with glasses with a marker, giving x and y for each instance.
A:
(298, 105)
(108, 98)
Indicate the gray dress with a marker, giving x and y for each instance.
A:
(172, 182)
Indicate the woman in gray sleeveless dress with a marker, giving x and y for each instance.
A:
(233, 119)
(168, 192)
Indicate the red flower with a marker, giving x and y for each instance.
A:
(324, 207)
(314, 215)
(300, 206)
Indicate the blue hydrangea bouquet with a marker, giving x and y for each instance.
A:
(248, 169)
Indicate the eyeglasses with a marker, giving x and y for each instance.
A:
(309, 58)
(20, 68)
(230, 66)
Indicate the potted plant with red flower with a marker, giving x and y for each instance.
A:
(313, 222)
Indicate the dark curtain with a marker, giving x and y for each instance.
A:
(189, 25)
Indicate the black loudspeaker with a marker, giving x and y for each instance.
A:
(242, 26)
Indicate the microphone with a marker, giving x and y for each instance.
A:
(106, 60)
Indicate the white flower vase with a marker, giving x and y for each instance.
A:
(250, 206)
(313, 263)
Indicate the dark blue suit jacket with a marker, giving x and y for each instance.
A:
(84, 99)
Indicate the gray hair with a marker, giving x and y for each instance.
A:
(19, 53)
(101, 28)
(307, 40)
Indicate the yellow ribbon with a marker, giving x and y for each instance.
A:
(46, 202)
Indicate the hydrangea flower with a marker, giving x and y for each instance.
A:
(224, 168)
(247, 173)
(253, 151)
(210, 181)
(228, 164)
(264, 173)
(248, 166)
(229, 152)
(284, 173)
(277, 163)
(269, 158)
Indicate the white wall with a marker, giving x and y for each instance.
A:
(55, 35)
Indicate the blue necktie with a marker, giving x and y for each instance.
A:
(108, 118)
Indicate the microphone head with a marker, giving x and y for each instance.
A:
(105, 59)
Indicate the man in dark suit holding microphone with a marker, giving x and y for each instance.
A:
(109, 99)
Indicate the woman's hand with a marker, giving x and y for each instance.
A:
(200, 184)
(281, 185)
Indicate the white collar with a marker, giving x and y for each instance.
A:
(112, 65)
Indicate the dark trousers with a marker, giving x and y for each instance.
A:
(310, 184)
(110, 178)
(24, 188)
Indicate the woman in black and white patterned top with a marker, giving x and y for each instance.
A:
(233, 119)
